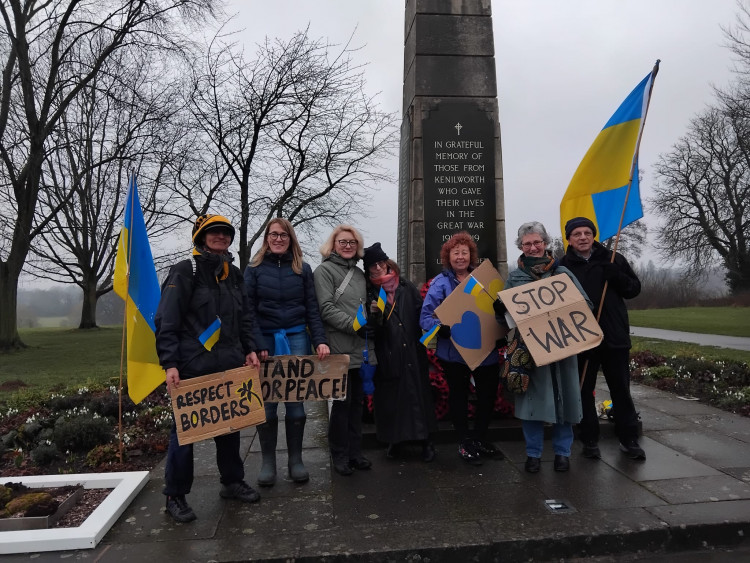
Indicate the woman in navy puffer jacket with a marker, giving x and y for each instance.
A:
(281, 290)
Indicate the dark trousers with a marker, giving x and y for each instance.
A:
(178, 474)
(345, 421)
(615, 366)
(486, 379)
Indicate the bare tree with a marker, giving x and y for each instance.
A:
(632, 240)
(51, 50)
(290, 133)
(704, 195)
(115, 127)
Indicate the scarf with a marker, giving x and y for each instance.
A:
(222, 261)
(389, 282)
(535, 266)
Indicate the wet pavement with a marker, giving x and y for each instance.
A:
(692, 494)
(719, 340)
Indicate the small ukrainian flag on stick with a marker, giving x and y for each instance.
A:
(360, 320)
(382, 299)
(473, 287)
(210, 336)
(429, 335)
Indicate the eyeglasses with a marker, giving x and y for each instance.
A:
(532, 243)
(382, 265)
(346, 243)
(274, 236)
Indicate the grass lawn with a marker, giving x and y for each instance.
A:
(669, 348)
(58, 357)
(730, 321)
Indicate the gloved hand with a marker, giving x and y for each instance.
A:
(499, 307)
(444, 331)
(610, 270)
(367, 331)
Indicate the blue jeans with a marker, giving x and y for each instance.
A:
(533, 432)
(299, 344)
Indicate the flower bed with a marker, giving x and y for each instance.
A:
(76, 431)
(721, 383)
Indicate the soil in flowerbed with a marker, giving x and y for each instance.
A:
(20, 501)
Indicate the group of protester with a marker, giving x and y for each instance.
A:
(280, 306)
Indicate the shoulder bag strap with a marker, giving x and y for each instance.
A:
(340, 290)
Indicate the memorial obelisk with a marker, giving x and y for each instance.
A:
(450, 164)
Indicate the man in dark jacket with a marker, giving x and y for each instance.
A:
(593, 265)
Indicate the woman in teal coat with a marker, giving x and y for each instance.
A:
(553, 395)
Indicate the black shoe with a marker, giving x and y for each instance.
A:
(533, 464)
(428, 451)
(240, 491)
(632, 449)
(591, 450)
(361, 463)
(468, 453)
(342, 468)
(179, 509)
(562, 463)
(487, 449)
(393, 451)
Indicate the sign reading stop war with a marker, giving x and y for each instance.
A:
(554, 319)
(216, 404)
(303, 378)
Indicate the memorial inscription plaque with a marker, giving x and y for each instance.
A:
(459, 180)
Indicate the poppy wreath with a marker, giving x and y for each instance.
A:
(518, 367)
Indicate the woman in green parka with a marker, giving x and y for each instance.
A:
(553, 395)
(340, 287)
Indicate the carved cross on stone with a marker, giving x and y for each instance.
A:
(458, 128)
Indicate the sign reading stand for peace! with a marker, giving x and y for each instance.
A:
(554, 319)
(217, 403)
(304, 378)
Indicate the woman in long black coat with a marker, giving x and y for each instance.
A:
(403, 403)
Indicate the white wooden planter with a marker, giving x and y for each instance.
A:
(126, 486)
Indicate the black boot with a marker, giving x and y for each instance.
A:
(295, 430)
(268, 434)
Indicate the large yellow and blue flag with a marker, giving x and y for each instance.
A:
(359, 319)
(607, 177)
(136, 282)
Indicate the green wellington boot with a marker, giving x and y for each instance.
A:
(295, 429)
(268, 434)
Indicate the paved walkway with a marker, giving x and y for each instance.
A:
(693, 493)
(735, 342)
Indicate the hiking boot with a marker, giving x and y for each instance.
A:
(591, 450)
(562, 463)
(532, 465)
(632, 449)
(240, 491)
(342, 468)
(393, 451)
(468, 453)
(179, 509)
(361, 463)
(487, 449)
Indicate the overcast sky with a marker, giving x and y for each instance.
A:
(562, 69)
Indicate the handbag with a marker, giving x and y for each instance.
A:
(518, 365)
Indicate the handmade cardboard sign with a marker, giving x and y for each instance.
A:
(216, 404)
(468, 311)
(554, 319)
(303, 378)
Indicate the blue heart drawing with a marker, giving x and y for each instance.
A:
(468, 333)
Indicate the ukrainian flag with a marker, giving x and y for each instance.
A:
(210, 336)
(360, 320)
(429, 335)
(382, 299)
(600, 184)
(136, 282)
(473, 287)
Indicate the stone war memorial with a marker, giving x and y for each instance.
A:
(450, 168)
